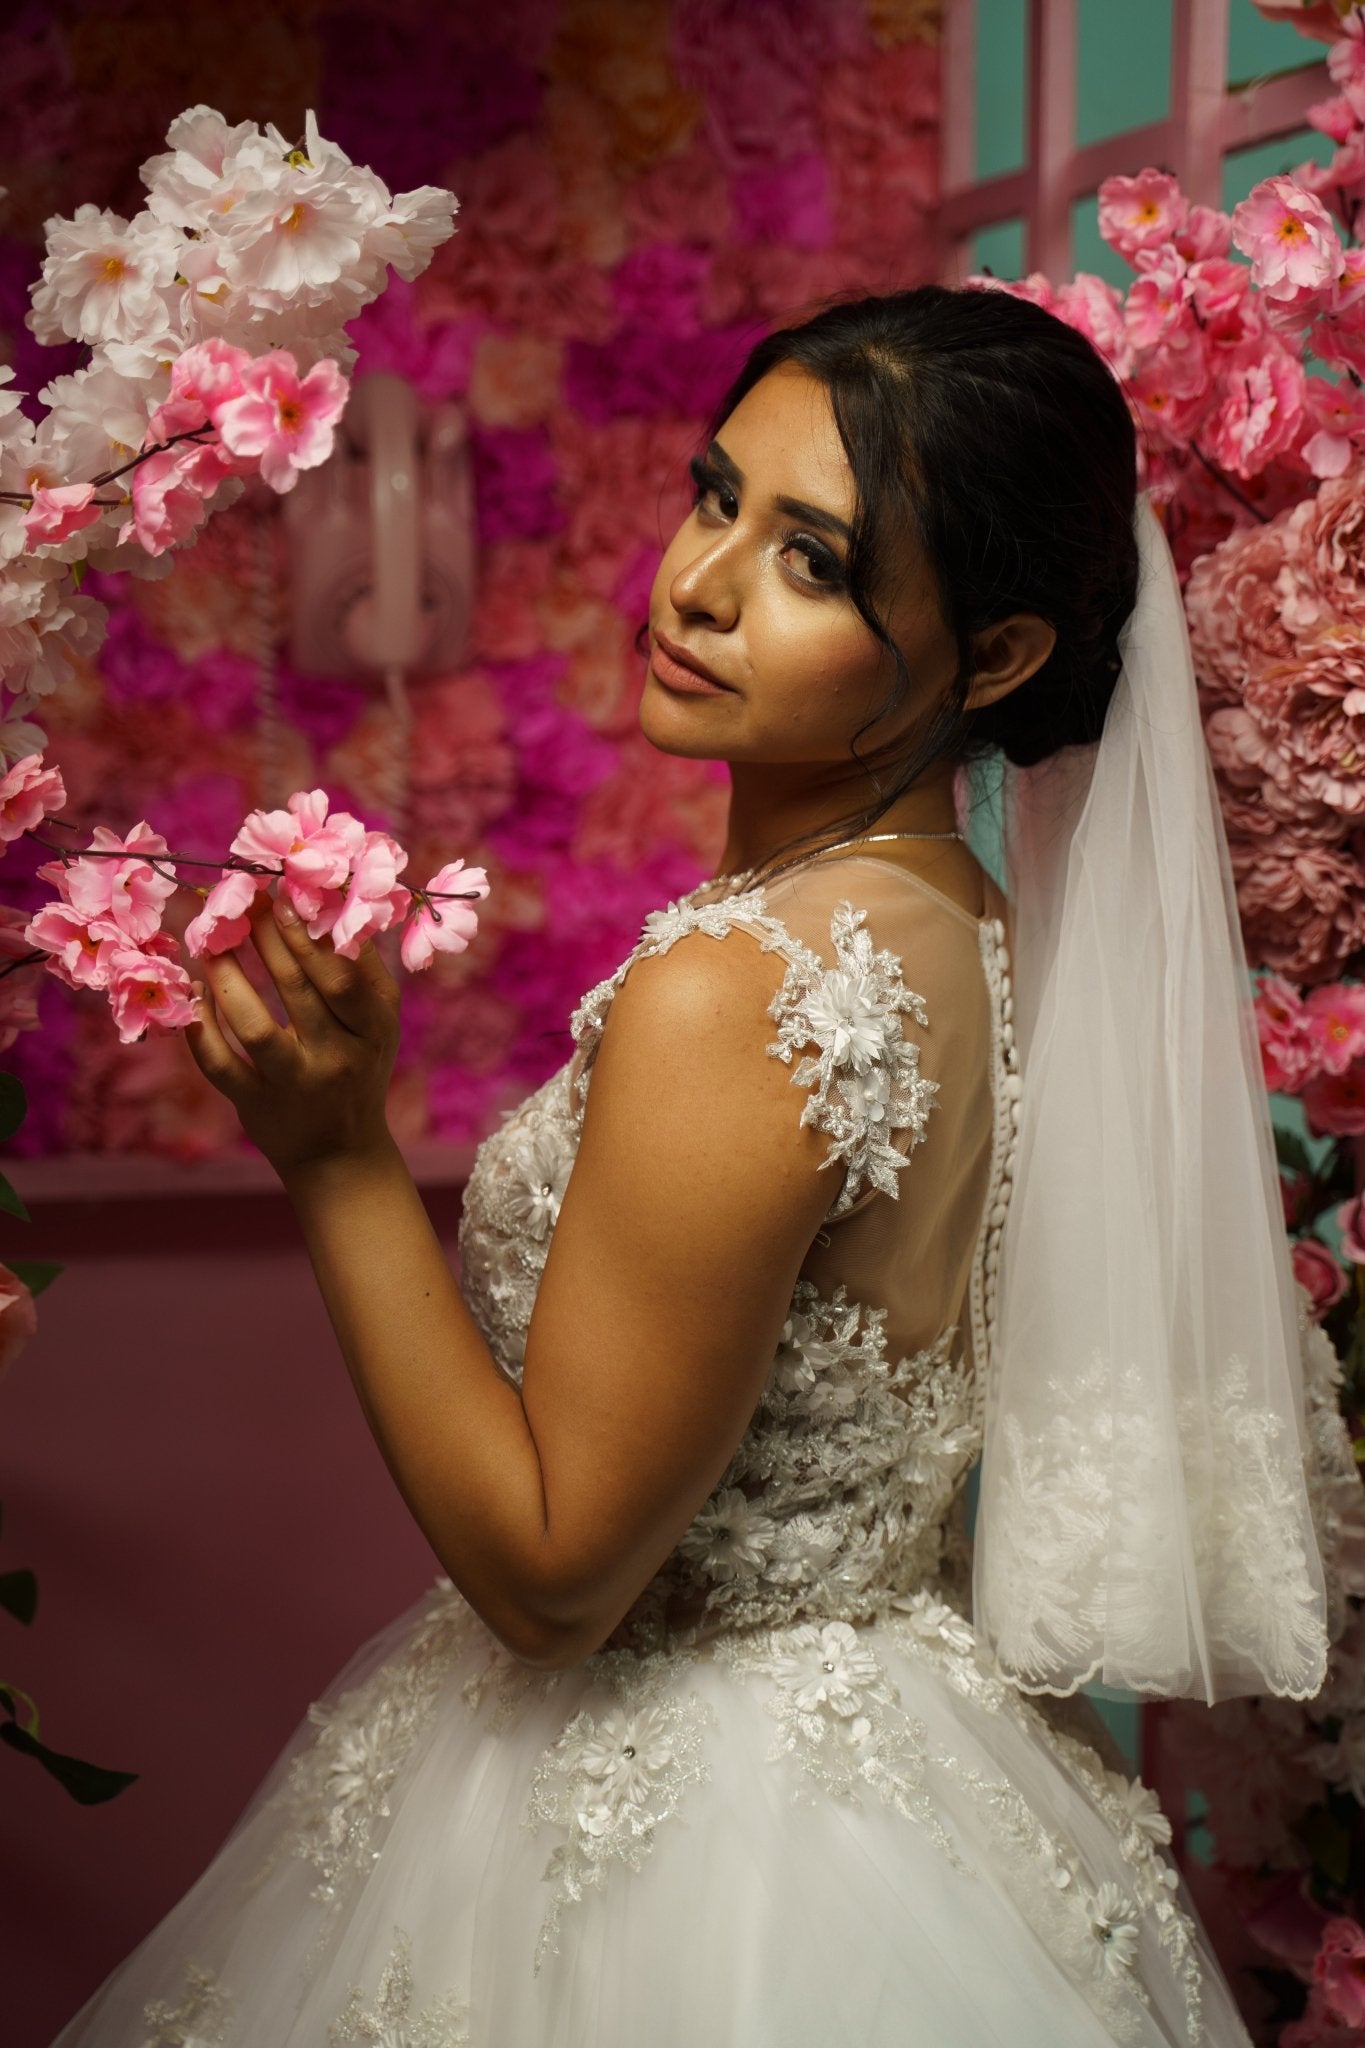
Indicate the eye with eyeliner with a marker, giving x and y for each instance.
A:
(827, 570)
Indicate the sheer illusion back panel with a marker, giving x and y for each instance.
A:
(912, 1255)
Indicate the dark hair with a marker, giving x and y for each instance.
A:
(1001, 438)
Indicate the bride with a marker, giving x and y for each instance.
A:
(859, 1162)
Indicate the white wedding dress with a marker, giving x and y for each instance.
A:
(789, 1805)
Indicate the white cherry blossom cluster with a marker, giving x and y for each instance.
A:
(215, 320)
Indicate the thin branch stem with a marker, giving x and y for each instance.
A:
(1219, 477)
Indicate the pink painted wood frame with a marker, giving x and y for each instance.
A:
(1206, 121)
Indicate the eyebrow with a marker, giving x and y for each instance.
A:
(795, 508)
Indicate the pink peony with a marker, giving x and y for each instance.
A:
(1290, 1045)
(145, 989)
(29, 792)
(58, 512)
(1351, 1218)
(1319, 1272)
(1234, 610)
(1334, 1104)
(283, 420)
(1139, 214)
(1312, 707)
(18, 1318)
(1301, 906)
(1289, 236)
(1336, 1013)
(443, 927)
(223, 922)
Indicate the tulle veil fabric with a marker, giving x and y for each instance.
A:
(1144, 1521)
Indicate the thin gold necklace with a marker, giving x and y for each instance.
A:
(862, 839)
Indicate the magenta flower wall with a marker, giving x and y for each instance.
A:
(646, 187)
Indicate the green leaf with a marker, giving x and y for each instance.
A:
(88, 1784)
(36, 1274)
(19, 1594)
(1291, 1151)
(10, 1202)
(78, 570)
(13, 1104)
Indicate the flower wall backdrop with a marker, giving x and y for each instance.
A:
(644, 189)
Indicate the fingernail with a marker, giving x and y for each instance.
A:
(285, 911)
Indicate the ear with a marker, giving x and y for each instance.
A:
(1007, 654)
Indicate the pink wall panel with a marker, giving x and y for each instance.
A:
(214, 1532)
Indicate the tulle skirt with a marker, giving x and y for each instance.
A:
(816, 1837)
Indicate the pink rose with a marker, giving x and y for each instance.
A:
(1319, 1272)
(1334, 1104)
(1290, 1045)
(18, 1318)
(1351, 1219)
(1336, 1013)
(29, 792)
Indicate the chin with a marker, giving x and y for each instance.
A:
(678, 728)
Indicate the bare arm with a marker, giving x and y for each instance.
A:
(689, 1209)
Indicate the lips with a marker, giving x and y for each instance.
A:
(678, 669)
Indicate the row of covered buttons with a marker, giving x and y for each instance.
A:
(1011, 1092)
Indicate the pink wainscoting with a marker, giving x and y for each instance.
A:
(183, 1463)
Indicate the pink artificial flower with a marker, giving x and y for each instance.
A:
(1221, 296)
(1319, 1272)
(203, 378)
(1336, 1012)
(58, 512)
(313, 848)
(79, 948)
(29, 792)
(18, 986)
(1172, 387)
(1203, 235)
(1339, 1967)
(18, 1318)
(130, 892)
(1350, 1217)
(1137, 214)
(170, 493)
(1334, 1104)
(1290, 1045)
(443, 927)
(374, 898)
(223, 922)
(1294, 1190)
(1289, 236)
(281, 419)
(1262, 405)
(146, 988)
(1155, 303)
(1337, 412)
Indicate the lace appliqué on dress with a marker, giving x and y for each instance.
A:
(840, 1716)
(390, 2020)
(863, 1075)
(617, 1771)
(198, 2021)
(337, 1794)
(1095, 1932)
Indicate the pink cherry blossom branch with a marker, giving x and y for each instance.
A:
(111, 476)
(1219, 477)
(69, 854)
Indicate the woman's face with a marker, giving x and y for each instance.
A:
(753, 589)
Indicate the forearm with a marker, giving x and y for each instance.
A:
(451, 1428)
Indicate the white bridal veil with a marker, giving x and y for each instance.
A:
(1144, 1518)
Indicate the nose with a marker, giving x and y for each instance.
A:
(705, 588)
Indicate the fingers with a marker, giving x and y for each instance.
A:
(360, 993)
(215, 1058)
(303, 1003)
(270, 1050)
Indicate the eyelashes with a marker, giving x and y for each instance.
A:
(827, 572)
